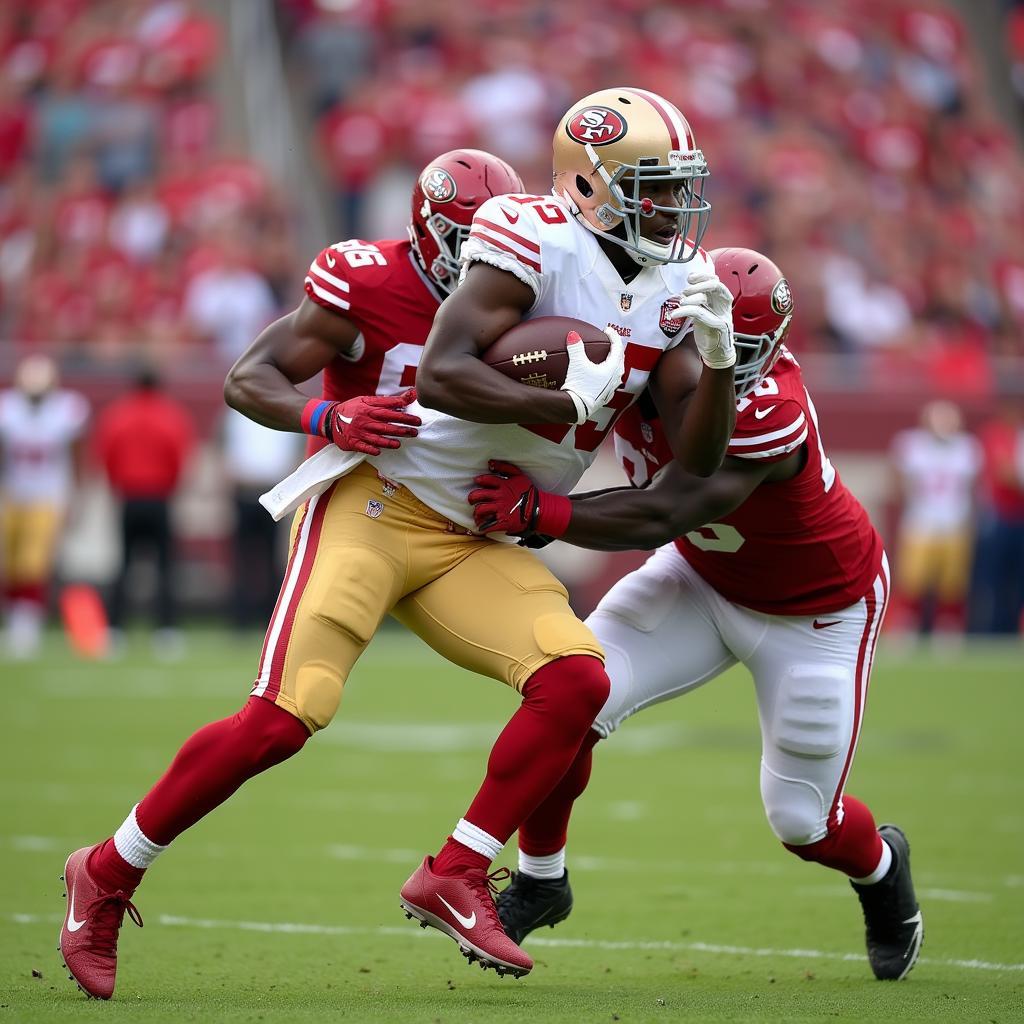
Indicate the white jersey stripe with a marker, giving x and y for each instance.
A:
(767, 453)
(773, 436)
(329, 278)
(277, 623)
(327, 296)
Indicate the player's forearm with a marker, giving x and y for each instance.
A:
(633, 520)
(461, 385)
(264, 394)
(700, 438)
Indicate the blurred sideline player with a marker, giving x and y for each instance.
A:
(775, 565)
(368, 545)
(40, 429)
(937, 466)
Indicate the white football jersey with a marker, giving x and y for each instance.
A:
(36, 440)
(537, 239)
(940, 476)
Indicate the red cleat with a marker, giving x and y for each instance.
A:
(88, 939)
(462, 906)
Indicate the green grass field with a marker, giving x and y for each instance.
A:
(283, 906)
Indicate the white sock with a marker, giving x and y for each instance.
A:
(131, 842)
(476, 839)
(550, 866)
(884, 863)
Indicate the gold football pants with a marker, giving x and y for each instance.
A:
(29, 533)
(365, 548)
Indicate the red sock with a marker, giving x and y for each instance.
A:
(211, 765)
(546, 830)
(853, 847)
(535, 749)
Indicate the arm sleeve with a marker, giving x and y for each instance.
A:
(505, 235)
(768, 430)
(327, 283)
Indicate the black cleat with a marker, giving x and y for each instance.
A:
(894, 926)
(527, 903)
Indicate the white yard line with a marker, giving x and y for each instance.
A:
(710, 948)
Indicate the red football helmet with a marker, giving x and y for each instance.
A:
(447, 193)
(762, 308)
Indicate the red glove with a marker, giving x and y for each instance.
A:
(507, 500)
(365, 424)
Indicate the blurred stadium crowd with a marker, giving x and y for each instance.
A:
(855, 141)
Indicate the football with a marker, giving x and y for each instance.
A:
(533, 352)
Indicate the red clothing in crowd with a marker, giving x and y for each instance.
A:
(1000, 441)
(143, 441)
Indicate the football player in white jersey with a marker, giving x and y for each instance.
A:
(40, 425)
(617, 245)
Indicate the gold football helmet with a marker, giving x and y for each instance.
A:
(609, 144)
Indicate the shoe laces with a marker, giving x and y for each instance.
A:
(517, 892)
(108, 910)
(487, 888)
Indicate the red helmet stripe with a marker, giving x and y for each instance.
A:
(674, 121)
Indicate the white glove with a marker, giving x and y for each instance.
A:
(588, 384)
(708, 303)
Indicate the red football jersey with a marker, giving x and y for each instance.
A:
(383, 290)
(803, 546)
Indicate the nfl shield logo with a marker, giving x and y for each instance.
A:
(625, 301)
(670, 328)
(374, 509)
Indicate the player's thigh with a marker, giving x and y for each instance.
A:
(811, 690)
(659, 635)
(916, 570)
(500, 612)
(344, 574)
(954, 567)
(34, 540)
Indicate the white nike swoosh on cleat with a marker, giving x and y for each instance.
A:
(467, 922)
(73, 925)
(915, 942)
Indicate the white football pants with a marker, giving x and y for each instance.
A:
(665, 631)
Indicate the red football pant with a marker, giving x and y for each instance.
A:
(534, 751)
(211, 765)
(853, 846)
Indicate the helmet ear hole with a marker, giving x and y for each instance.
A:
(584, 187)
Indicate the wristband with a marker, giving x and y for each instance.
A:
(314, 417)
(553, 514)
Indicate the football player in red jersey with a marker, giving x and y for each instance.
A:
(368, 309)
(770, 562)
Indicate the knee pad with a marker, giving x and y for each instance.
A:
(795, 808)
(318, 687)
(812, 708)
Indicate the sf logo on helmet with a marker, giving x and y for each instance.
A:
(438, 185)
(596, 125)
(782, 298)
